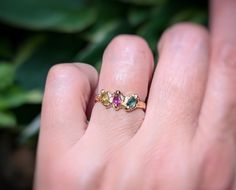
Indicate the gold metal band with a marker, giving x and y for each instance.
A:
(118, 101)
(141, 105)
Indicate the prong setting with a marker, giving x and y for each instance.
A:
(118, 101)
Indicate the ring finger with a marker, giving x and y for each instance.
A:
(127, 66)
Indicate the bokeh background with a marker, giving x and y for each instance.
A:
(36, 34)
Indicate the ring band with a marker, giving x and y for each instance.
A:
(118, 101)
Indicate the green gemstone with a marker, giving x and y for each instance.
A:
(131, 103)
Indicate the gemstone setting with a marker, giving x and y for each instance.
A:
(118, 101)
(118, 98)
(131, 102)
(105, 98)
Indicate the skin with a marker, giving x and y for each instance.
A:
(184, 141)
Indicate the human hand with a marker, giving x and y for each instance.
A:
(184, 141)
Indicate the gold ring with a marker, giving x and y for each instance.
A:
(118, 101)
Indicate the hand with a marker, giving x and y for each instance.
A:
(184, 141)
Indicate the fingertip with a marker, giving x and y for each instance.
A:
(195, 33)
(126, 44)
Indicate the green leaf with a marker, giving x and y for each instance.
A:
(16, 97)
(5, 47)
(92, 54)
(7, 120)
(7, 71)
(27, 48)
(57, 15)
(57, 48)
(145, 2)
(137, 15)
(100, 31)
(30, 130)
(158, 22)
(191, 15)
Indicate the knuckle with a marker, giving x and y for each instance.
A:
(89, 67)
(64, 74)
(132, 41)
(185, 35)
(61, 71)
(188, 29)
(187, 26)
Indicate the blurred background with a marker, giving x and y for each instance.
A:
(36, 34)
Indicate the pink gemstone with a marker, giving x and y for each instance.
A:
(117, 100)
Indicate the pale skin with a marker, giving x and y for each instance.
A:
(185, 140)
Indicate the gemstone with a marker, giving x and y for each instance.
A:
(131, 103)
(105, 98)
(117, 100)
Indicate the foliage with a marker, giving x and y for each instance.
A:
(35, 34)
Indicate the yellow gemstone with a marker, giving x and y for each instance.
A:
(105, 98)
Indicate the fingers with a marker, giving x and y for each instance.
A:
(217, 121)
(127, 66)
(222, 23)
(174, 102)
(179, 81)
(220, 99)
(67, 92)
(218, 115)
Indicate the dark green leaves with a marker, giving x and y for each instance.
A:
(6, 75)
(58, 15)
(145, 2)
(58, 48)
